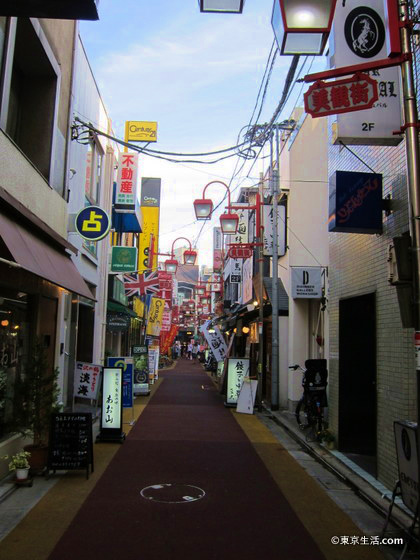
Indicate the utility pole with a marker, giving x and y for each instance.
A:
(260, 252)
(275, 285)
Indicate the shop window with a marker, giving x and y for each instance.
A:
(14, 344)
(32, 97)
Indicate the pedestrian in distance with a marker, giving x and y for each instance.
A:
(195, 351)
(189, 351)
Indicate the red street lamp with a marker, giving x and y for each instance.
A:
(302, 26)
(171, 265)
(204, 207)
(221, 6)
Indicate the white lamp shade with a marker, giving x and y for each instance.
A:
(222, 6)
(302, 26)
(229, 223)
(190, 257)
(171, 266)
(203, 208)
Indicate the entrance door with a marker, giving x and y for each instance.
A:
(357, 377)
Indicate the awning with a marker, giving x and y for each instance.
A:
(118, 308)
(64, 9)
(283, 298)
(35, 255)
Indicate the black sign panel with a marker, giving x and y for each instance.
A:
(71, 442)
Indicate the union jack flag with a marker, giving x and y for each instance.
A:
(141, 284)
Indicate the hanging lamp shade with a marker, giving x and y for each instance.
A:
(171, 265)
(190, 257)
(203, 208)
(221, 6)
(229, 223)
(302, 26)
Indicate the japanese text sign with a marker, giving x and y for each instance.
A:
(87, 380)
(92, 223)
(127, 179)
(127, 364)
(268, 230)
(112, 399)
(215, 341)
(341, 96)
(238, 369)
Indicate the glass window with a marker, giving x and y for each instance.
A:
(14, 343)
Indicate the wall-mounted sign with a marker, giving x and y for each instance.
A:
(126, 363)
(141, 131)
(306, 282)
(112, 409)
(92, 223)
(341, 96)
(238, 368)
(141, 370)
(215, 341)
(87, 379)
(241, 235)
(117, 322)
(123, 259)
(268, 230)
(247, 275)
(355, 202)
(126, 191)
(406, 443)
(359, 36)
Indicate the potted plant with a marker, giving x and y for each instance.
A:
(36, 398)
(19, 463)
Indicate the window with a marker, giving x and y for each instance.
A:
(93, 178)
(32, 97)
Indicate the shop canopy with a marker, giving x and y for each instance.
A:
(41, 256)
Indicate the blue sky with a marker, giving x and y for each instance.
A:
(198, 76)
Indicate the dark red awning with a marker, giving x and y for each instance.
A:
(35, 255)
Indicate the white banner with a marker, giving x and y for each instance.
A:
(268, 230)
(87, 378)
(241, 235)
(112, 398)
(359, 36)
(215, 341)
(247, 273)
(238, 368)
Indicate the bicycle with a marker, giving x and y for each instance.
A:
(309, 410)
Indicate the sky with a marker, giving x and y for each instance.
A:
(197, 75)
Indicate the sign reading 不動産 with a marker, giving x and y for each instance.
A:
(126, 190)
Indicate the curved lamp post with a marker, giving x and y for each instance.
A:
(204, 207)
(190, 256)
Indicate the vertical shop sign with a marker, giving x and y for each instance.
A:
(150, 206)
(238, 368)
(111, 420)
(126, 192)
(242, 232)
(247, 274)
(141, 370)
(217, 248)
(127, 364)
(87, 380)
(154, 319)
(359, 36)
(268, 230)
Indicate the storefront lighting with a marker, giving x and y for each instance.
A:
(4, 323)
(255, 303)
(245, 330)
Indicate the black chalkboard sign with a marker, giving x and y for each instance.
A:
(71, 443)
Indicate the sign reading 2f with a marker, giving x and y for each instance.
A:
(92, 223)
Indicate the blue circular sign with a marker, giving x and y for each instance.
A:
(92, 223)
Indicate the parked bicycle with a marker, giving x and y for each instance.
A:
(310, 408)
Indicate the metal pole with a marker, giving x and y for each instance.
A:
(413, 185)
(260, 253)
(275, 293)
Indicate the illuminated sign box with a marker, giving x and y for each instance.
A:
(355, 202)
(112, 405)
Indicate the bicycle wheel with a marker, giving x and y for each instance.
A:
(303, 413)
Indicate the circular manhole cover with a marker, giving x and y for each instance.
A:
(172, 493)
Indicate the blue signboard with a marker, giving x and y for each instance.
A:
(355, 202)
(92, 223)
(127, 389)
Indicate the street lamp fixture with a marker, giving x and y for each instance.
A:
(190, 256)
(221, 6)
(302, 26)
(204, 207)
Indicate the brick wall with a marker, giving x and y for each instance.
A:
(358, 265)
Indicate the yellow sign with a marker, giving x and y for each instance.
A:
(154, 320)
(150, 225)
(140, 131)
(138, 307)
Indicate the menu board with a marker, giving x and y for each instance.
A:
(71, 443)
